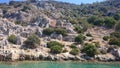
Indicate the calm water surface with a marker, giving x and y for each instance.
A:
(59, 65)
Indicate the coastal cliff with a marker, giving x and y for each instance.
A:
(58, 31)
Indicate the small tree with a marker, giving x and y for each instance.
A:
(109, 22)
(53, 43)
(13, 39)
(61, 31)
(32, 41)
(48, 31)
(79, 39)
(90, 50)
(56, 49)
(99, 22)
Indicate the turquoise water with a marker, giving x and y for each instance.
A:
(58, 65)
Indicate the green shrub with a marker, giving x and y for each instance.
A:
(115, 35)
(106, 38)
(114, 41)
(56, 49)
(75, 51)
(25, 8)
(73, 46)
(13, 39)
(32, 41)
(48, 31)
(90, 50)
(79, 39)
(53, 43)
(61, 31)
(91, 19)
(5, 11)
(109, 22)
(99, 22)
(79, 29)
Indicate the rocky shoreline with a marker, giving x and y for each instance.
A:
(37, 55)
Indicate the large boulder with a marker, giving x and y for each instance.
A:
(116, 53)
(67, 56)
(59, 23)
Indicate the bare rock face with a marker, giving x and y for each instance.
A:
(5, 25)
(59, 23)
(116, 53)
(69, 38)
(4, 43)
(67, 56)
(39, 32)
(41, 22)
(19, 40)
(60, 37)
(106, 57)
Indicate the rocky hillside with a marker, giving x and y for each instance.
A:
(51, 30)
